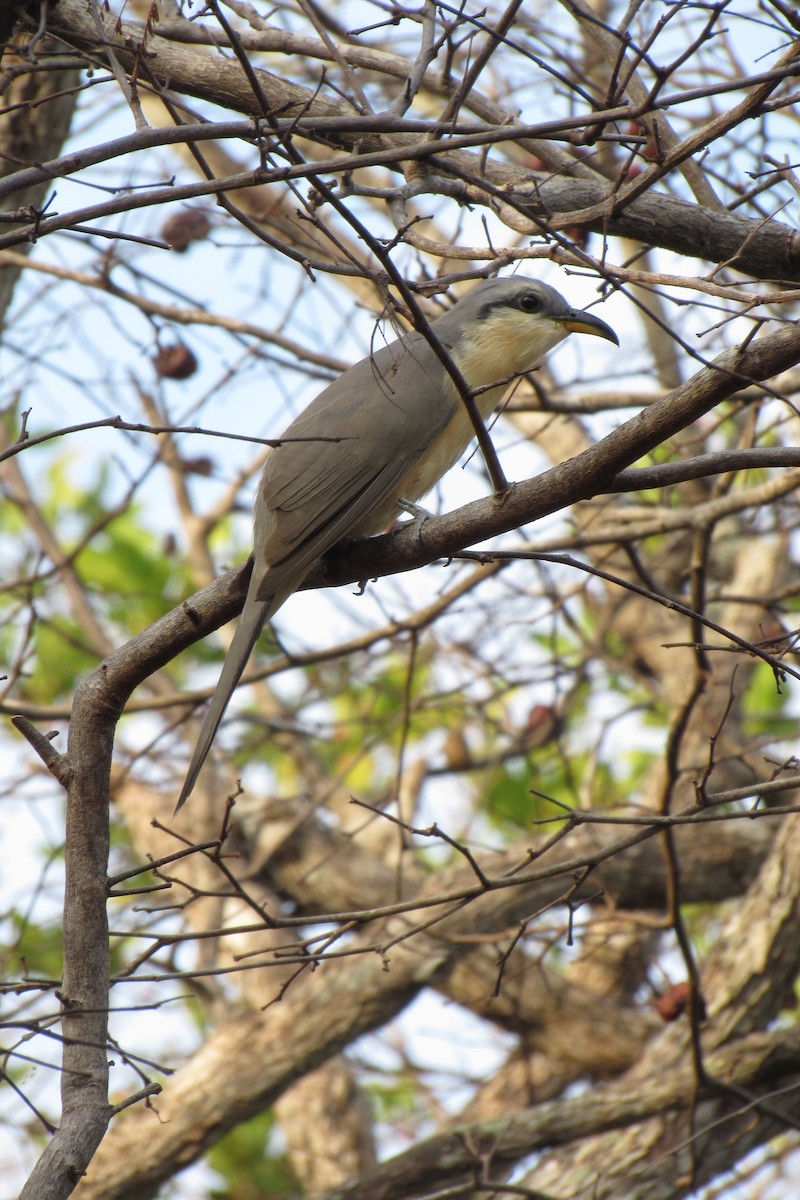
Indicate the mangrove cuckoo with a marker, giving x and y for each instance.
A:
(388, 429)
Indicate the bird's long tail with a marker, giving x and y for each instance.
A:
(251, 622)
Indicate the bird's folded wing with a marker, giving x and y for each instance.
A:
(339, 468)
(298, 534)
(308, 498)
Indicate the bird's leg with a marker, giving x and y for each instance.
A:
(418, 514)
(414, 510)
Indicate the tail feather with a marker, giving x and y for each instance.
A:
(251, 622)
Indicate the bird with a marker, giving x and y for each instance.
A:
(379, 438)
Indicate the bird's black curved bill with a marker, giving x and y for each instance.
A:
(583, 322)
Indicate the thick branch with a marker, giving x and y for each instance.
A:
(253, 1059)
(586, 475)
(84, 990)
(757, 1062)
(767, 250)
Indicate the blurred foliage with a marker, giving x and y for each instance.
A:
(250, 1170)
(35, 946)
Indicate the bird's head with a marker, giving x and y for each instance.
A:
(504, 326)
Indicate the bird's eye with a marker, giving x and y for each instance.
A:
(529, 302)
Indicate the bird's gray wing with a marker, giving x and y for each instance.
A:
(367, 430)
(307, 496)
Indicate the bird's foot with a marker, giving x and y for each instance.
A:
(417, 513)
(418, 516)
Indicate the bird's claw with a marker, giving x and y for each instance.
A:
(418, 514)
